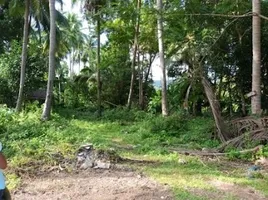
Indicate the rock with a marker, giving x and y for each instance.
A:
(182, 161)
(85, 156)
(99, 164)
(88, 157)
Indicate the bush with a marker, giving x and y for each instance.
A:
(171, 125)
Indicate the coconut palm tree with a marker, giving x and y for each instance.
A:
(37, 10)
(256, 62)
(94, 7)
(75, 39)
(52, 50)
(24, 54)
(161, 57)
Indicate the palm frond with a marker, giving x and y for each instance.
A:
(16, 8)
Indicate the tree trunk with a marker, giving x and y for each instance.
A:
(215, 108)
(243, 105)
(186, 99)
(23, 55)
(151, 59)
(220, 87)
(51, 73)
(140, 69)
(135, 45)
(98, 68)
(256, 61)
(161, 57)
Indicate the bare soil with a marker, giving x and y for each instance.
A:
(224, 190)
(239, 192)
(92, 184)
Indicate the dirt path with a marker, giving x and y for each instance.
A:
(92, 185)
(119, 184)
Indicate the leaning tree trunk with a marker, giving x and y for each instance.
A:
(256, 62)
(52, 50)
(133, 71)
(161, 57)
(215, 108)
(23, 55)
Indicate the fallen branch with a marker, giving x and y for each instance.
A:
(110, 103)
(209, 153)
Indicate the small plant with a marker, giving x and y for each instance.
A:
(154, 105)
(233, 154)
(263, 152)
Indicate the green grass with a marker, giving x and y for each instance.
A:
(135, 135)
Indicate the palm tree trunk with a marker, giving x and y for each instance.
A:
(215, 108)
(161, 57)
(51, 73)
(133, 71)
(23, 55)
(256, 62)
(98, 68)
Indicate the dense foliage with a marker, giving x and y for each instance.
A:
(194, 30)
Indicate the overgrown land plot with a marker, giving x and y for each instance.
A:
(134, 99)
(42, 158)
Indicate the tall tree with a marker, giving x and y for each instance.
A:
(161, 57)
(24, 54)
(256, 60)
(52, 50)
(95, 7)
(98, 65)
(135, 48)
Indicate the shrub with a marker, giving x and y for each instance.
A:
(169, 125)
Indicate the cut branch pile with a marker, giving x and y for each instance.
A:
(246, 130)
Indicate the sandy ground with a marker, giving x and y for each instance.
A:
(92, 185)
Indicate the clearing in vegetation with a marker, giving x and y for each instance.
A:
(42, 158)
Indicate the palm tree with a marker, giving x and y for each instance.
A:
(52, 50)
(74, 39)
(256, 62)
(94, 6)
(24, 54)
(37, 10)
(161, 57)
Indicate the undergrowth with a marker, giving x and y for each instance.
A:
(26, 140)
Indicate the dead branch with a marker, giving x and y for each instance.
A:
(203, 153)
